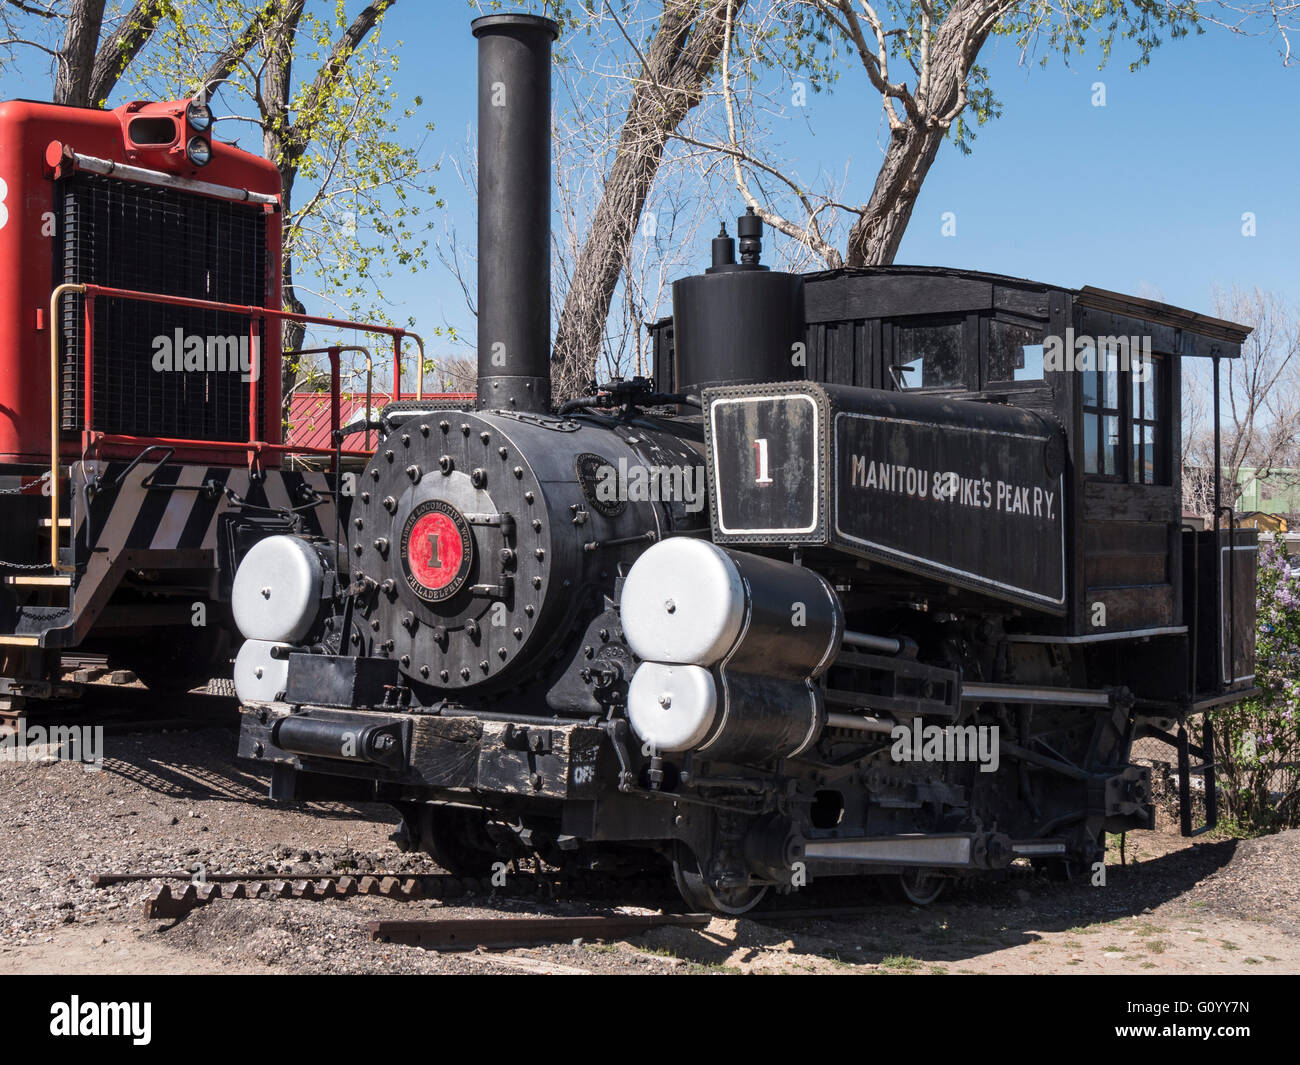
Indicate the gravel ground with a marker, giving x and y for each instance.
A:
(173, 800)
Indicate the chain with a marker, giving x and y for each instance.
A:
(20, 490)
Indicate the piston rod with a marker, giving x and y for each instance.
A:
(1018, 693)
(887, 645)
(860, 724)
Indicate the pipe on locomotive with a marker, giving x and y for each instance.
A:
(514, 211)
(862, 641)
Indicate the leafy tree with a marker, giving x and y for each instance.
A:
(89, 46)
(354, 188)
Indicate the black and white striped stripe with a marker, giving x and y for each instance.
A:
(136, 516)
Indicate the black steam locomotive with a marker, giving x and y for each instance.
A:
(882, 574)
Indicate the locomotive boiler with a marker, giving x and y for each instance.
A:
(863, 583)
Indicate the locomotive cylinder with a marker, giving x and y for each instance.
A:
(279, 587)
(730, 644)
(514, 211)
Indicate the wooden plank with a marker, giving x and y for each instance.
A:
(1030, 302)
(1096, 323)
(1173, 415)
(445, 750)
(1063, 315)
(841, 354)
(1143, 607)
(1113, 501)
(1191, 345)
(894, 295)
(1127, 570)
(1125, 538)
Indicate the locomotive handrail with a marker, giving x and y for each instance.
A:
(72, 160)
(255, 448)
(59, 292)
(336, 384)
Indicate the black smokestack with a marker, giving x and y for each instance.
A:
(514, 211)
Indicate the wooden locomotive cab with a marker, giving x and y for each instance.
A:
(1144, 596)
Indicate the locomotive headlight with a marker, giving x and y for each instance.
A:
(199, 151)
(199, 116)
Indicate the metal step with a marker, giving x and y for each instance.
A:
(1206, 769)
(20, 641)
(46, 580)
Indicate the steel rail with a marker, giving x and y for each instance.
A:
(336, 383)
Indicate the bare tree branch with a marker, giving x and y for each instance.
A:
(76, 59)
(121, 48)
(672, 76)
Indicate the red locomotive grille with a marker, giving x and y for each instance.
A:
(150, 239)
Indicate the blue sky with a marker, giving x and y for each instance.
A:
(1144, 195)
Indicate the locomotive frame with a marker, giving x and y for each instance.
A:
(1128, 548)
(786, 684)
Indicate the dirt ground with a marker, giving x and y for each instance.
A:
(166, 801)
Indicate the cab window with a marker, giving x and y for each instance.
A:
(1149, 459)
(1102, 455)
(930, 355)
(1013, 352)
(1125, 427)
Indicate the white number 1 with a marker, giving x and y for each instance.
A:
(760, 461)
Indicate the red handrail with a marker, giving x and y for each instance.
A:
(252, 445)
(334, 351)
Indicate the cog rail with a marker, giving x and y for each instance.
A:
(174, 901)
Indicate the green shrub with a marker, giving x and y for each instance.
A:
(1257, 742)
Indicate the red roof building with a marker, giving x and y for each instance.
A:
(309, 416)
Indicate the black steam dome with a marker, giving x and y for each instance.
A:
(738, 321)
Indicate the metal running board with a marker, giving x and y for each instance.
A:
(904, 849)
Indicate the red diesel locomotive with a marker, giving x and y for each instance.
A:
(141, 444)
